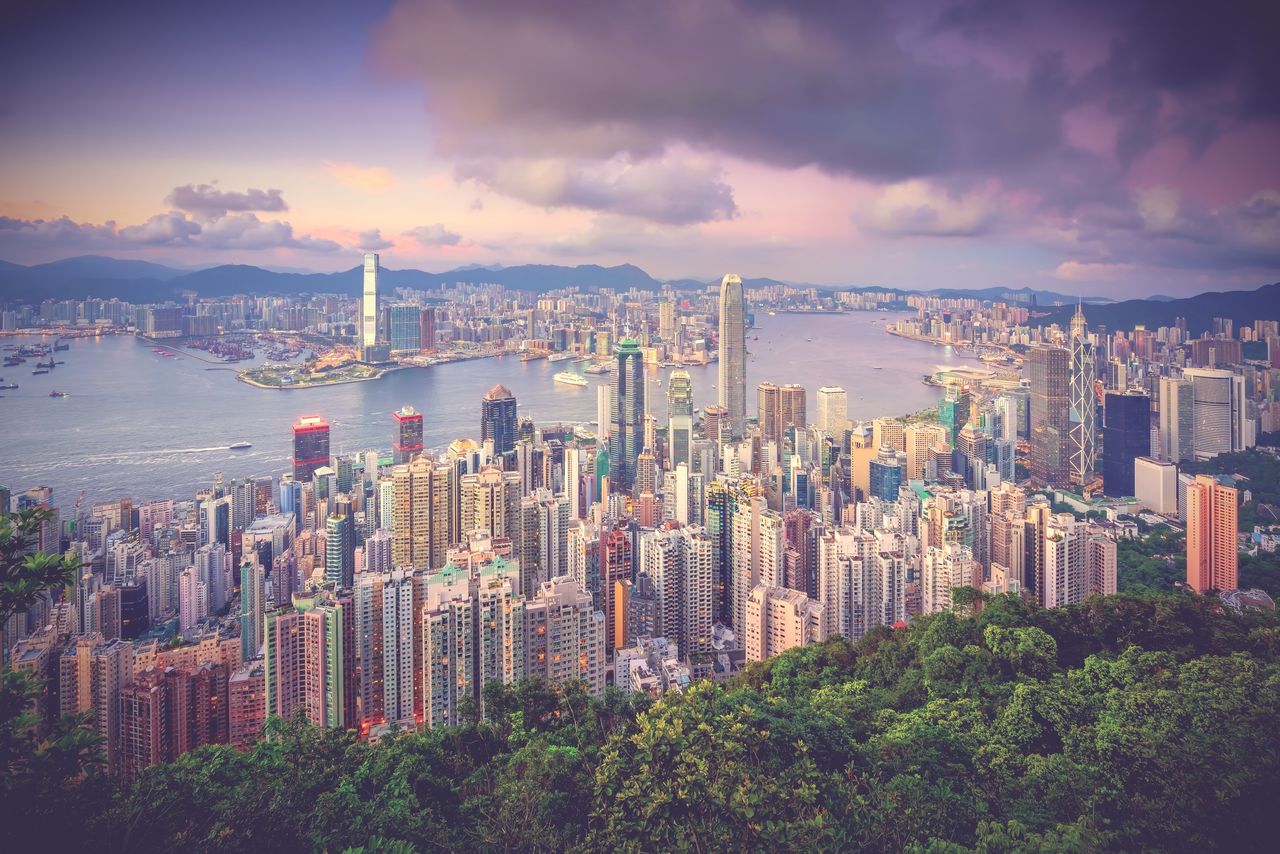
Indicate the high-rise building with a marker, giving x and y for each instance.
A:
(953, 411)
(626, 434)
(310, 446)
(144, 724)
(407, 439)
(1126, 436)
(678, 563)
(758, 541)
(339, 551)
(564, 636)
(498, 422)
(778, 619)
(1219, 421)
(252, 608)
(386, 656)
(310, 660)
(1212, 546)
(887, 471)
(1084, 403)
(404, 328)
(427, 329)
(369, 303)
(732, 378)
(1155, 485)
(679, 417)
(247, 705)
(919, 438)
(779, 407)
(421, 513)
(1050, 414)
(667, 320)
(833, 410)
(1177, 420)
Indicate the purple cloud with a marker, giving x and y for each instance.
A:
(372, 240)
(434, 235)
(206, 200)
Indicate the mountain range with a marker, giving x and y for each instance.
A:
(142, 281)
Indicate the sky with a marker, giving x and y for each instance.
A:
(1116, 148)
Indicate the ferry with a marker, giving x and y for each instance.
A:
(240, 446)
(59, 394)
(570, 378)
(559, 357)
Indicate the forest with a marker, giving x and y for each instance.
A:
(1132, 722)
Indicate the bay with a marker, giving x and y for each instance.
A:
(143, 425)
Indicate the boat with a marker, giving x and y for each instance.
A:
(41, 371)
(877, 368)
(559, 357)
(9, 385)
(240, 446)
(59, 394)
(570, 378)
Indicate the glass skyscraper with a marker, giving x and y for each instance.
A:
(498, 419)
(369, 302)
(626, 436)
(733, 352)
(1126, 436)
(404, 328)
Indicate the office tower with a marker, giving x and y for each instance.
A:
(1155, 485)
(886, 473)
(420, 529)
(1084, 403)
(626, 434)
(369, 303)
(1212, 548)
(969, 459)
(309, 660)
(498, 419)
(769, 411)
(252, 609)
(404, 328)
(919, 438)
(678, 564)
(778, 619)
(667, 320)
(1177, 430)
(833, 410)
(339, 552)
(1126, 436)
(1219, 422)
(407, 440)
(953, 411)
(246, 705)
(310, 446)
(732, 372)
(1050, 414)
(427, 329)
(564, 636)
(757, 542)
(679, 417)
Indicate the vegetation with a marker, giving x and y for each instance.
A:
(1132, 722)
(1153, 564)
(1262, 468)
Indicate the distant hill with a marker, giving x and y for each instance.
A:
(1243, 307)
(102, 267)
(1021, 296)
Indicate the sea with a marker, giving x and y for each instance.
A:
(139, 424)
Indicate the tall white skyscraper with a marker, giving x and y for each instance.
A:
(733, 352)
(1084, 403)
(369, 302)
(833, 409)
(1219, 421)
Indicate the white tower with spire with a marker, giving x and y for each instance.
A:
(1084, 404)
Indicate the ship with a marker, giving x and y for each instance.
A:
(559, 357)
(9, 385)
(570, 378)
(240, 446)
(59, 394)
(41, 371)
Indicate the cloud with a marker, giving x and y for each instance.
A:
(434, 235)
(242, 231)
(206, 200)
(246, 231)
(372, 240)
(366, 179)
(671, 190)
(1092, 271)
(918, 209)
(167, 229)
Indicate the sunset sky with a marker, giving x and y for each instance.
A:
(1116, 148)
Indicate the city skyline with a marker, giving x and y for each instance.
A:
(1077, 150)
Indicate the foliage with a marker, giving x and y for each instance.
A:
(26, 574)
(1130, 722)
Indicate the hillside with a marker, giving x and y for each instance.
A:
(1243, 307)
(1125, 723)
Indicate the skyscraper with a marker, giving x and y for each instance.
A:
(1219, 421)
(1126, 436)
(778, 619)
(626, 436)
(339, 551)
(310, 446)
(678, 561)
(1177, 431)
(1212, 548)
(421, 513)
(1050, 414)
(733, 352)
(369, 303)
(564, 636)
(1084, 404)
(404, 328)
(680, 416)
(407, 440)
(833, 409)
(498, 419)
